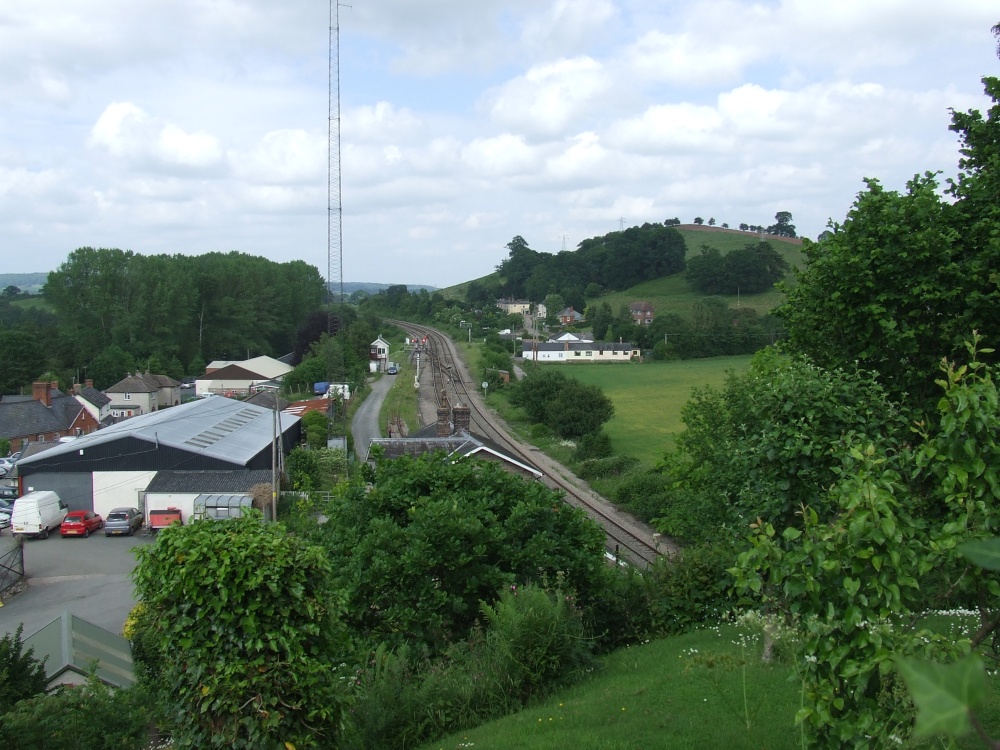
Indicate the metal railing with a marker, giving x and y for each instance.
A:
(11, 567)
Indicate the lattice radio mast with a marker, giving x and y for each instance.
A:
(334, 244)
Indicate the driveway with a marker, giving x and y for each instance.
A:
(364, 425)
(88, 577)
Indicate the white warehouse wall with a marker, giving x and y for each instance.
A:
(115, 489)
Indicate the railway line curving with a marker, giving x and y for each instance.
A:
(444, 372)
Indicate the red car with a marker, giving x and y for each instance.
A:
(81, 523)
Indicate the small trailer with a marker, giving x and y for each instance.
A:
(160, 519)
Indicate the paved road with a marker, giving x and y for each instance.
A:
(364, 425)
(88, 577)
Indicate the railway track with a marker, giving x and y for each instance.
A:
(446, 371)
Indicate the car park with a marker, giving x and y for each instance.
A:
(81, 523)
(123, 521)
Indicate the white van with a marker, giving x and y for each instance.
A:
(37, 513)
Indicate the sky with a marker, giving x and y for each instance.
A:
(193, 126)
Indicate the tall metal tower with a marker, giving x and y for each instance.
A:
(336, 372)
(334, 245)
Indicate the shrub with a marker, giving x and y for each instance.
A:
(593, 445)
(21, 674)
(611, 466)
(643, 493)
(531, 642)
(91, 716)
(245, 621)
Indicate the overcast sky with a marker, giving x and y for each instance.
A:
(189, 126)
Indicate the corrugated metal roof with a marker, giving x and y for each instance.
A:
(216, 427)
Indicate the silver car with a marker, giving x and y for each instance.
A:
(122, 521)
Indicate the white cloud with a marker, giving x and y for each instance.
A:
(549, 99)
(284, 157)
(126, 131)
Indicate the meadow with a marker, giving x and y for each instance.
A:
(648, 398)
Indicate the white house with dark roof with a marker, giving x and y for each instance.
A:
(142, 393)
(96, 403)
(579, 351)
(114, 466)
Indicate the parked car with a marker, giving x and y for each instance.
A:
(6, 509)
(38, 513)
(123, 521)
(81, 523)
(392, 370)
(8, 493)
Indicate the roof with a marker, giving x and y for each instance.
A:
(569, 312)
(459, 445)
(266, 399)
(70, 643)
(641, 307)
(299, 408)
(208, 482)
(234, 372)
(93, 396)
(142, 383)
(267, 367)
(23, 417)
(217, 427)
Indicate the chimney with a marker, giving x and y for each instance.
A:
(89, 382)
(40, 392)
(463, 417)
(443, 414)
(77, 388)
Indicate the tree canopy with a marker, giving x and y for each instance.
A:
(430, 539)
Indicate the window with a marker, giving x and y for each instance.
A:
(128, 396)
(590, 353)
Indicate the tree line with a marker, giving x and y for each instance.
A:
(111, 311)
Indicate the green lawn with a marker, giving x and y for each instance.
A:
(648, 398)
(698, 691)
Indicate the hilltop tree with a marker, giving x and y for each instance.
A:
(782, 226)
(698, 220)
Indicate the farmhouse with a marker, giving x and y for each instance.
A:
(114, 466)
(579, 351)
(514, 306)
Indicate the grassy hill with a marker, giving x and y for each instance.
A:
(673, 294)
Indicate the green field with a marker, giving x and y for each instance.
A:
(648, 398)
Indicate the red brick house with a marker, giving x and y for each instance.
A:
(642, 313)
(43, 417)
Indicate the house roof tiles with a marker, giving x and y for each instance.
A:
(23, 417)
